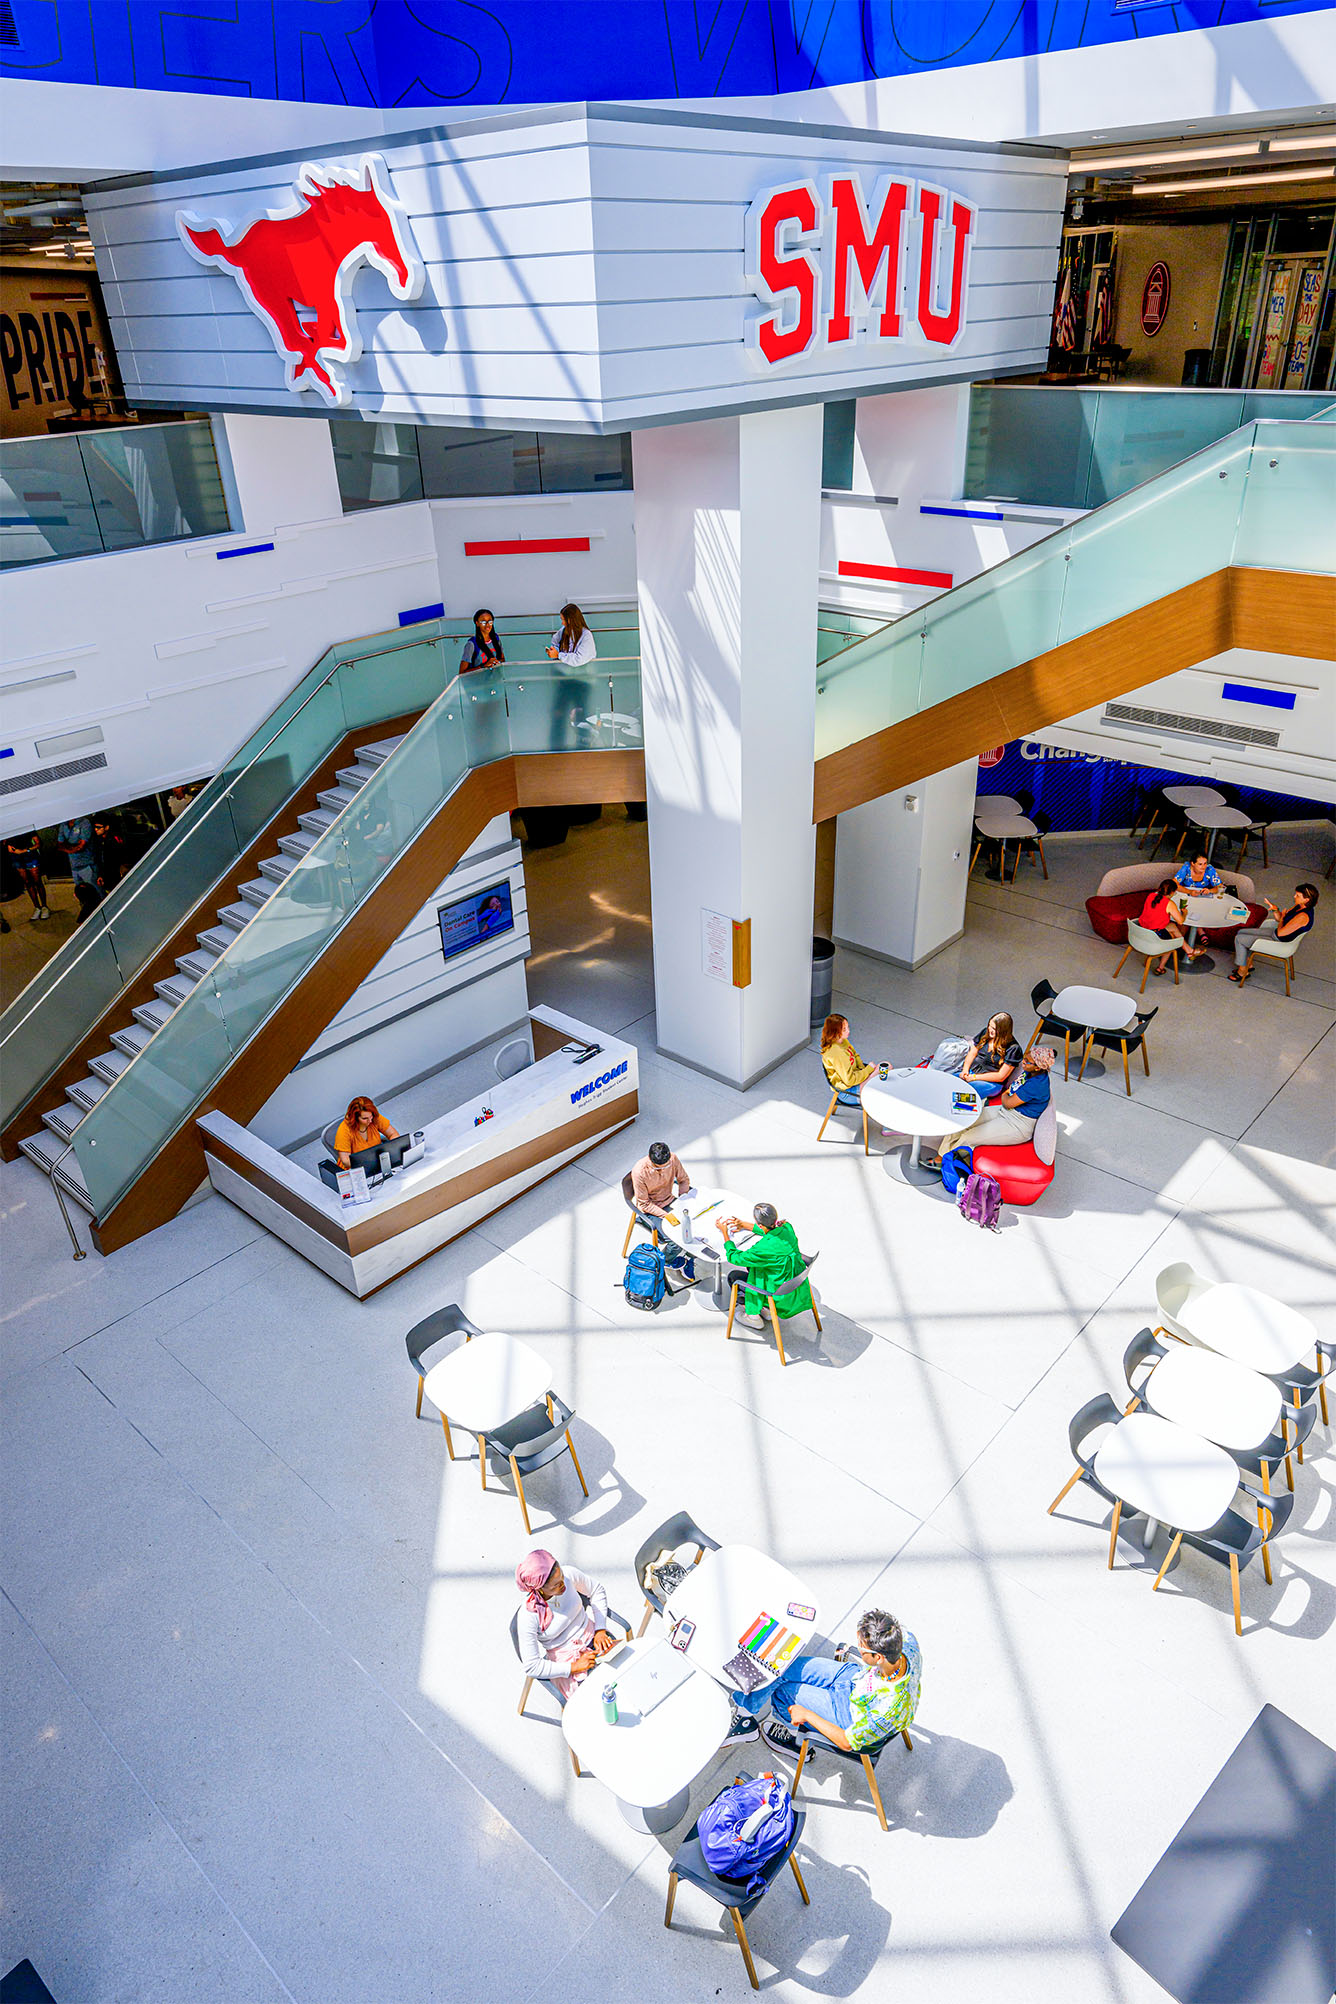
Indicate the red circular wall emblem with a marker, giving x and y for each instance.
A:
(1155, 298)
(993, 757)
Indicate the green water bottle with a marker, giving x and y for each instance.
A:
(610, 1703)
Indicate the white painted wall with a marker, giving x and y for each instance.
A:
(605, 574)
(275, 471)
(901, 865)
(416, 1011)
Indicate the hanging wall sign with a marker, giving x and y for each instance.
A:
(1155, 298)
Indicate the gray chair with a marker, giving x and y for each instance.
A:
(613, 1615)
(865, 1757)
(434, 1328)
(1234, 1540)
(647, 1224)
(1144, 1348)
(680, 1529)
(512, 1058)
(738, 1278)
(731, 1894)
(1278, 1447)
(526, 1444)
(1096, 1412)
(327, 1135)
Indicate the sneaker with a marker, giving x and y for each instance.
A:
(750, 1321)
(779, 1739)
(742, 1726)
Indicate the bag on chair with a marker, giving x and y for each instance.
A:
(747, 1824)
(980, 1200)
(948, 1055)
(643, 1282)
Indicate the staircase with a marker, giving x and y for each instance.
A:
(50, 1148)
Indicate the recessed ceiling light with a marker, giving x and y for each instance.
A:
(1284, 175)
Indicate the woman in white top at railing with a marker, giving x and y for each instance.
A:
(574, 643)
(573, 646)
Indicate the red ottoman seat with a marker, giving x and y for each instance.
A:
(1108, 916)
(1024, 1169)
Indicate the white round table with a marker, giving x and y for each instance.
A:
(1003, 824)
(1213, 1396)
(1210, 909)
(648, 1762)
(1193, 796)
(1171, 1473)
(1216, 818)
(706, 1207)
(1093, 1009)
(725, 1593)
(991, 801)
(1251, 1327)
(483, 1384)
(919, 1103)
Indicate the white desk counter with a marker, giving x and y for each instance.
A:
(542, 1118)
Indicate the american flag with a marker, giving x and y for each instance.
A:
(1064, 318)
(1102, 333)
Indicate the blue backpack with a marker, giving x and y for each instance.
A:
(747, 1824)
(956, 1167)
(643, 1280)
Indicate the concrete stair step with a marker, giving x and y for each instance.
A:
(297, 844)
(274, 869)
(87, 1092)
(355, 777)
(131, 1039)
(336, 798)
(46, 1149)
(258, 891)
(63, 1120)
(237, 916)
(216, 939)
(153, 1014)
(315, 821)
(377, 753)
(108, 1065)
(196, 964)
(175, 988)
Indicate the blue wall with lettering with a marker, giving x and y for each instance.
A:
(1082, 790)
(439, 52)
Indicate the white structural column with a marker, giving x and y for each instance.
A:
(276, 470)
(727, 546)
(901, 864)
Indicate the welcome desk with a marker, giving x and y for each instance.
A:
(541, 1118)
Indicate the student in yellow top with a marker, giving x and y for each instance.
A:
(843, 1066)
(361, 1127)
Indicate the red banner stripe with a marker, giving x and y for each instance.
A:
(894, 575)
(535, 546)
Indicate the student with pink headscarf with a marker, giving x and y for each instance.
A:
(563, 1623)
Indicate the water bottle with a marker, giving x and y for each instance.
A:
(686, 1226)
(610, 1704)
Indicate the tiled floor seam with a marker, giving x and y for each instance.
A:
(156, 1806)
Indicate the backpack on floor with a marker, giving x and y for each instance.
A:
(748, 1823)
(643, 1281)
(980, 1200)
(955, 1168)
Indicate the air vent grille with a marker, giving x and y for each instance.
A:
(47, 773)
(1193, 727)
(9, 34)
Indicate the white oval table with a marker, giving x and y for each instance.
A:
(920, 1103)
(1193, 796)
(1212, 819)
(1215, 1397)
(1170, 1472)
(1092, 1009)
(648, 1762)
(1002, 824)
(705, 1207)
(1209, 909)
(483, 1384)
(1251, 1327)
(725, 1593)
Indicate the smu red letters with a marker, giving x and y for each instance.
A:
(877, 258)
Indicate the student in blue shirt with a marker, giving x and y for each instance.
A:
(1199, 875)
(1012, 1116)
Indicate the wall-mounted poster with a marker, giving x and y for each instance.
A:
(54, 348)
(1155, 298)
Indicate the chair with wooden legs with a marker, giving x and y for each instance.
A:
(839, 1098)
(526, 1444)
(1051, 1025)
(1301, 1384)
(1130, 1039)
(1175, 1287)
(613, 1616)
(1235, 1540)
(679, 1529)
(448, 1321)
(1151, 947)
(1260, 829)
(1096, 1412)
(1144, 1348)
(814, 1742)
(649, 1225)
(1293, 1431)
(1043, 822)
(1282, 950)
(731, 1894)
(738, 1278)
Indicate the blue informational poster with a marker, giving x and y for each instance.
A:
(473, 920)
(1079, 790)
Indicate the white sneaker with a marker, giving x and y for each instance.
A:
(750, 1321)
(42, 913)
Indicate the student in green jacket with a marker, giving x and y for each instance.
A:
(772, 1257)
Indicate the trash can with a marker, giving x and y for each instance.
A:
(823, 977)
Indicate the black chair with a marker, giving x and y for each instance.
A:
(526, 1444)
(1050, 1025)
(1175, 822)
(1235, 1541)
(1302, 1384)
(1034, 844)
(1132, 1038)
(1259, 828)
(447, 1321)
(1096, 1412)
(650, 1225)
(613, 1615)
(1278, 1447)
(1144, 814)
(738, 1278)
(674, 1531)
(1144, 1348)
(731, 1894)
(814, 1742)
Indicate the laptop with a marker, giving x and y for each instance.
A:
(651, 1679)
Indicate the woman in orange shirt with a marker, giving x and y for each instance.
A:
(361, 1127)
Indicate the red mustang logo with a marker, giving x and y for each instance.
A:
(296, 265)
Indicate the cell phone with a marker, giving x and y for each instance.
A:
(800, 1612)
(682, 1634)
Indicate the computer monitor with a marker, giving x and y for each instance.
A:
(394, 1150)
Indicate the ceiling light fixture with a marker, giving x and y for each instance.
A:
(1243, 149)
(1283, 176)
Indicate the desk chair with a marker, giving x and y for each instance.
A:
(738, 1277)
(843, 1098)
(814, 1742)
(1151, 947)
(1235, 1541)
(1130, 1039)
(681, 1529)
(447, 1321)
(526, 1444)
(646, 1224)
(731, 1894)
(613, 1616)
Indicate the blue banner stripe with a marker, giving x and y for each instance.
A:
(1270, 699)
(417, 613)
(249, 550)
(969, 514)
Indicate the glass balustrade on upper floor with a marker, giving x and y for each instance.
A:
(116, 487)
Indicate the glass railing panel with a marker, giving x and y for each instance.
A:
(183, 877)
(381, 683)
(1288, 519)
(403, 796)
(978, 631)
(46, 509)
(872, 690)
(1137, 437)
(260, 788)
(1029, 443)
(1155, 540)
(283, 939)
(482, 705)
(68, 1008)
(154, 483)
(552, 707)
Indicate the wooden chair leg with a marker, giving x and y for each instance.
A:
(829, 1110)
(904, 1734)
(1181, 840)
(1145, 1057)
(798, 1771)
(654, 1235)
(1043, 861)
(575, 1763)
(524, 1695)
(449, 1443)
(1122, 963)
(1034, 1033)
(626, 1242)
(482, 1458)
(576, 1459)
(1070, 1484)
(973, 860)
(1264, 1524)
(1144, 972)
(421, 1382)
(1085, 1059)
(732, 1310)
(1174, 1544)
(1266, 860)
(649, 1610)
(1286, 965)
(1243, 846)
(1067, 1054)
(871, 1774)
(1174, 957)
(743, 1943)
(1127, 1076)
(793, 1865)
(1016, 865)
(1113, 1534)
(779, 1340)
(672, 1895)
(1321, 1400)
(816, 1317)
(519, 1491)
(865, 1130)
(1234, 1591)
(1151, 826)
(1298, 1445)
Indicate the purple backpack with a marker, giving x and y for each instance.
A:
(980, 1200)
(746, 1824)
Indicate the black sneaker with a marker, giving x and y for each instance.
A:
(779, 1739)
(742, 1726)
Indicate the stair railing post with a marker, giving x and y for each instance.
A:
(79, 1252)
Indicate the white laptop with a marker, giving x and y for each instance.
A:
(650, 1679)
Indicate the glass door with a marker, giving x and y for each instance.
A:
(1291, 292)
